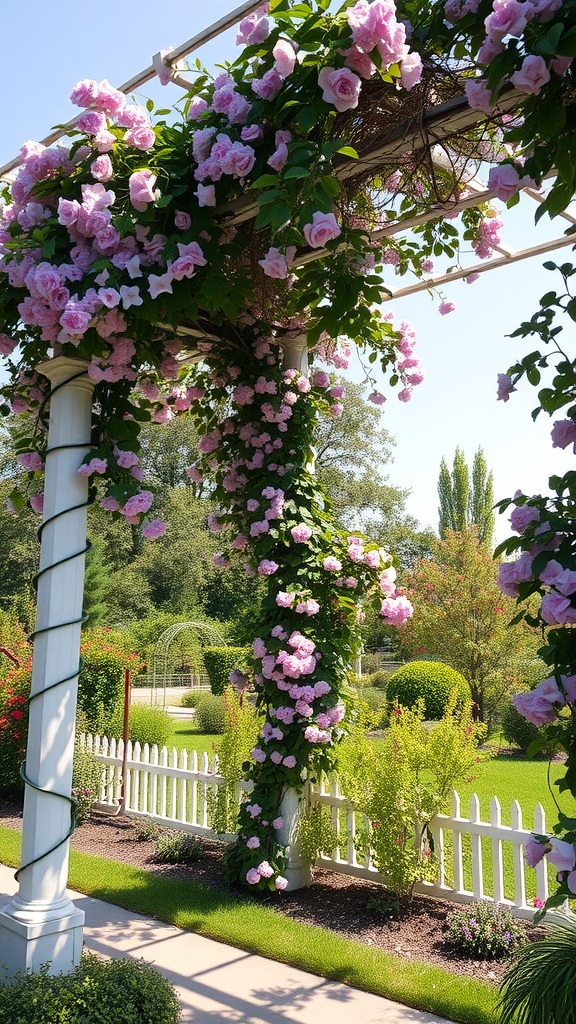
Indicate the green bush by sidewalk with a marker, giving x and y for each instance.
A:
(97, 992)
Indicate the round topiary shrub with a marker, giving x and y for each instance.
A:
(429, 681)
(210, 714)
(191, 697)
(517, 729)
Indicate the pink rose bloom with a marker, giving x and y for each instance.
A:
(198, 106)
(340, 87)
(75, 321)
(534, 708)
(101, 168)
(253, 843)
(276, 264)
(377, 398)
(255, 28)
(253, 876)
(563, 433)
(557, 610)
(138, 503)
(264, 869)
(358, 61)
(94, 466)
(561, 855)
(281, 882)
(534, 852)
(285, 56)
(285, 600)
(7, 345)
(308, 607)
(250, 133)
(182, 220)
(141, 185)
(446, 307)
(532, 75)
(410, 71)
(279, 157)
(397, 610)
(478, 95)
(109, 504)
(505, 387)
(290, 761)
(154, 529)
(268, 87)
(238, 161)
(522, 516)
(31, 461)
(253, 810)
(508, 18)
(301, 533)
(267, 567)
(324, 228)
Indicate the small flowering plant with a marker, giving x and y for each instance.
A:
(485, 931)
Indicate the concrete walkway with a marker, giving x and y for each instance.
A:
(218, 984)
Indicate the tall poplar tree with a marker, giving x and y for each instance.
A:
(466, 499)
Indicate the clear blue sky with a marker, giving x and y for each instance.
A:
(47, 47)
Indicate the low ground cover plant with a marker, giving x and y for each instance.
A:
(484, 931)
(178, 848)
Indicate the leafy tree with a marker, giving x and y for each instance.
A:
(352, 453)
(463, 505)
(462, 618)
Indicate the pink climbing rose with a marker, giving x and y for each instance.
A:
(324, 228)
(340, 87)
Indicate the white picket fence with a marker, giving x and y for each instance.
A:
(172, 788)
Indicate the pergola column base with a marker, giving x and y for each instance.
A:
(32, 935)
(298, 871)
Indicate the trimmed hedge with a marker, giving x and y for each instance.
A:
(429, 681)
(220, 662)
(210, 714)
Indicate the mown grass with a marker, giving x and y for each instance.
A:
(246, 925)
(186, 736)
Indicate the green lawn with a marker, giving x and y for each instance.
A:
(241, 922)
(186, 736)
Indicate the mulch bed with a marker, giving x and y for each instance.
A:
(352, 907)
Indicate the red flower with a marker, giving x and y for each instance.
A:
(16, 714)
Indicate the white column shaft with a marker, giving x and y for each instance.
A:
(45, 922)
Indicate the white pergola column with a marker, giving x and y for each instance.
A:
(41, 925)
(298, 870)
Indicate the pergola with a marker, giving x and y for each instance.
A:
(41, 924)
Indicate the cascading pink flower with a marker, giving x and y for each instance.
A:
(324, 228)
(141, 186)
(340, 87)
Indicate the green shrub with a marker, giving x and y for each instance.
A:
(147, 724)
(540, 984)
(406, 780)
(191, 697)
(147, 831)
(220, 662)
(97, 992)
(379, 679)
(101, 681)
(240, 735)
(429, 681)
(484, 931)
(178, 848)
(86, 781)
(210, 715)
(375, 700)
(517, 729)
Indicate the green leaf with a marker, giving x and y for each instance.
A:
(571, 309)
(150, 105)
(348, 151)
(264, 180)
(18, 499)
(297, 172)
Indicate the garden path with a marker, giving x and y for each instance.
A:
(218, 983)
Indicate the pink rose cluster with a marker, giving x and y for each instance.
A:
(558, 852)
(540, 706)
(375, 27)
